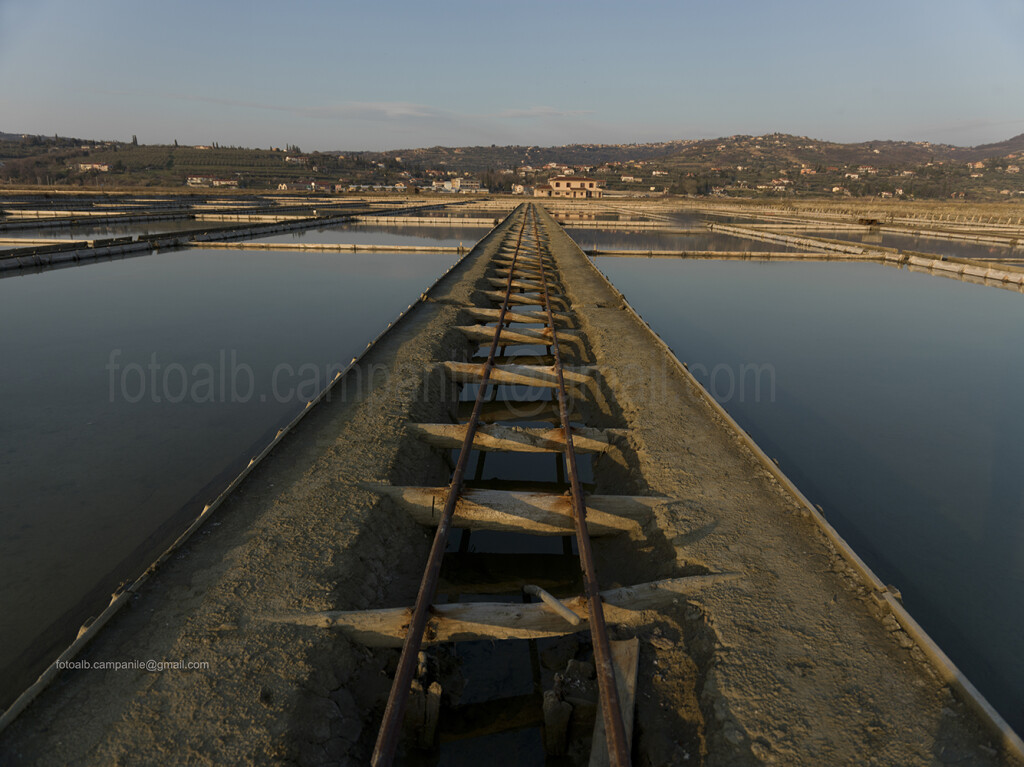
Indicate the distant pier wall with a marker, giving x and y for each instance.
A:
(76, 251)
(966, 269)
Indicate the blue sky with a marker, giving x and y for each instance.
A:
(376, 75)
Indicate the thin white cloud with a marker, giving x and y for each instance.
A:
(372, 110)
(364, 110)
(975, 125)
(976, 131)
(394, 122)
(541, 111)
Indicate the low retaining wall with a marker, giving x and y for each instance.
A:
(974, 270)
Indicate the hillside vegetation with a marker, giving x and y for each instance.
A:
(771, 165)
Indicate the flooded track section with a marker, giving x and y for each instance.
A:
(740, 630)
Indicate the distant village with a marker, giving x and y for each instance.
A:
(641, 178)
(775, 165)
(559, 181)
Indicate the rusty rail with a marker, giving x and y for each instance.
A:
(391, 726)
(615, 731)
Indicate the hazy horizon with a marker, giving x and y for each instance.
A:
(402, 75)
(343, 150)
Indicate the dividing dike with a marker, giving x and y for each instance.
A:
(733, 626)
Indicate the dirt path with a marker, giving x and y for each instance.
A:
(787, 665)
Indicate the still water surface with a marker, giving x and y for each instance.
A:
(98, 231)
(132, 391)
(939, 245)
(434, 236)
(654, 239)
(891, 398)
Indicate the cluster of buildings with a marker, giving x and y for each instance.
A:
(565, 186)
(626, 178)
(311, 186)
(570, 187)
(457, 185)
(449, 186)
(562, 181)
(211, 181)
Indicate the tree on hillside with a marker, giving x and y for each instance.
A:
(496, 182)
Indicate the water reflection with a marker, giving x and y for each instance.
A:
(97, 231)
(576, 216)
(921, 243)
(367, 234)
(131, 391)
(685, 218)
(602, 239)
(895, 405)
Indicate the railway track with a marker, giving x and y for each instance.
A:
(528, 275)
(526, 308)
(523, 393)
(748, 673)
(524, 318)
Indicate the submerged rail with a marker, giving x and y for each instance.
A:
(615, 733)
(390, 731)
(525, 280)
